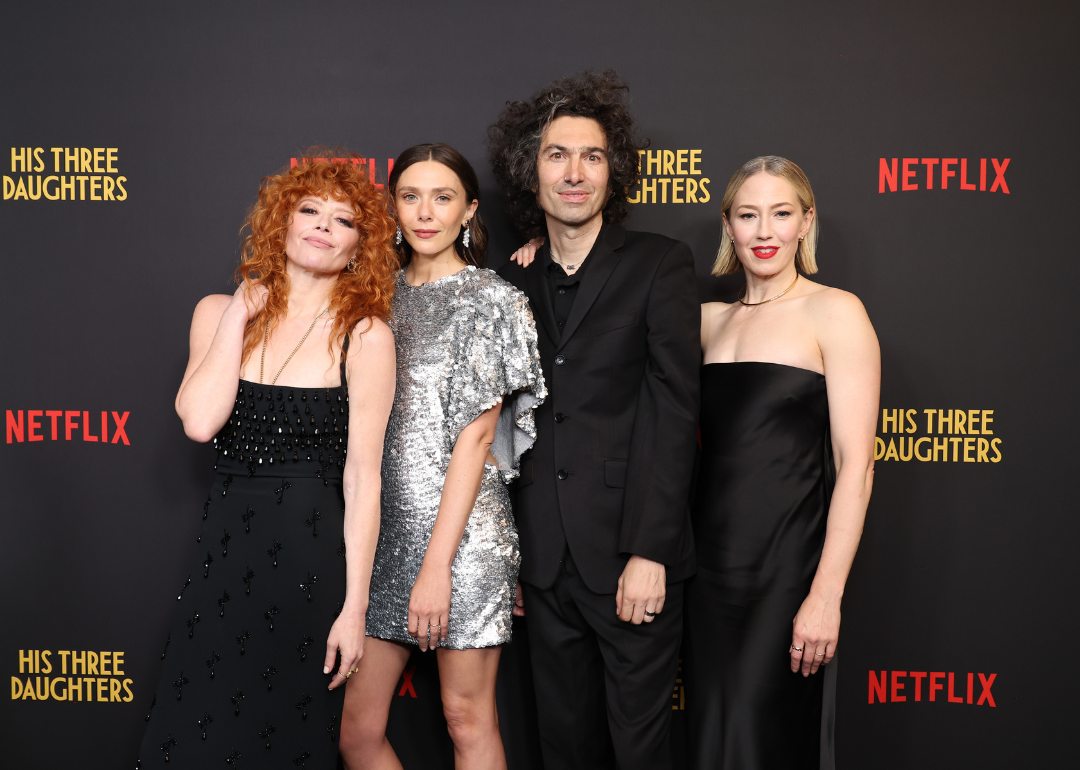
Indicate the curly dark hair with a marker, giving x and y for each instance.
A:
(514, 143)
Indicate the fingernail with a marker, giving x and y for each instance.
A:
(325, 670)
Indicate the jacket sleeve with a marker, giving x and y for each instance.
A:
(665, 425)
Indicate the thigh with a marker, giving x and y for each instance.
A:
(370, 690)
(467, 677)
(568, 677)
(640, 667)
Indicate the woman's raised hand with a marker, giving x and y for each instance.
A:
(253, 302)
(527, 253)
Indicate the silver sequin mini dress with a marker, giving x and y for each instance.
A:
(464, 343)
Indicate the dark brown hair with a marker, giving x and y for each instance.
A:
(514, 143)
(476, 252)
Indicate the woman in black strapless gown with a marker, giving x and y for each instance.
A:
(277, 585)
(784, 479)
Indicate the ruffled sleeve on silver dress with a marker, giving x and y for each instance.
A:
(464, 344)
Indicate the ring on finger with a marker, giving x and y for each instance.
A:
(650, 614)
(819, 655)
(796, 649)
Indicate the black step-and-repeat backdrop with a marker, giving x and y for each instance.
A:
(941, 141)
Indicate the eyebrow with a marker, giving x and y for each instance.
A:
(433, 189)
(755, 207)
(560, 148)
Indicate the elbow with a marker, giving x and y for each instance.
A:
(200, 433)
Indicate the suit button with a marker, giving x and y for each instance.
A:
(562, 475)
(559, 360)
(559, 417)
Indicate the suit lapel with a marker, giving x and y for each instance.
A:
(540, 297)
(604, 261)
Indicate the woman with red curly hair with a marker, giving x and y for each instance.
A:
(292, 379)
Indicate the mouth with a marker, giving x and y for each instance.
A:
(765, 252)
(319, 243)
(425, 234)
(574, 196)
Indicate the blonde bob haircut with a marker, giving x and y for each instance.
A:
(806, 257)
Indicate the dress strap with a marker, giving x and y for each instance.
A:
(344, 353)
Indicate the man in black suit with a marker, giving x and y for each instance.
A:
(602, 499)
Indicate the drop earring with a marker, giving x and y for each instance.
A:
(397, 236)
(465, 237)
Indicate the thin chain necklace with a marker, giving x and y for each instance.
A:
(266, 334)
(742, 293)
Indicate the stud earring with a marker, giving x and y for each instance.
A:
(397, 237)
(465, 237)
(352, 265)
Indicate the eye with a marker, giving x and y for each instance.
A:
(345, 222)
(308, 210)
(556, 156)
(408, 197)
(443, 198)
(746, 216)
(784, 214)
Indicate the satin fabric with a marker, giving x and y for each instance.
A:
(762, 498)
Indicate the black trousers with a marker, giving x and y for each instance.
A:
(604, 688)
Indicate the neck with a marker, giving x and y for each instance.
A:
(426, 268)
(309, 293)
(570, 244)
(762, 287)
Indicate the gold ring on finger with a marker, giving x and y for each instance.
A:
(796, 649)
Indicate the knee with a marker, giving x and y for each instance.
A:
(360, 738)
(469, 721)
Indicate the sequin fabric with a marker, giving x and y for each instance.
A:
(464, 343)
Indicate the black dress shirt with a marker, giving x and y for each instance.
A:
(562, 286)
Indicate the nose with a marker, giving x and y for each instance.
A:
(323, 222)
(574, 171)
(764, 228)
(423, 210)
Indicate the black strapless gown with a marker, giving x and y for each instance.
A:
(242, 681)
(759, 514)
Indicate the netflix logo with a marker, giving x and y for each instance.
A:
(52, 424)
(905, 174)
(915, 686)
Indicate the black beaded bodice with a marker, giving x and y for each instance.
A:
(284, 431)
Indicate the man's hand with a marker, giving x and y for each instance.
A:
(642, 588)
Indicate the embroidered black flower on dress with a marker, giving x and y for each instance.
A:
(269, 615)
(280, 491)
(247, 516)
(168, 744)
(204, 723)
(273, 551)
(221, 603)
(303, 704)
(247, 580)
(191, 625)
(313, 522)
(225, 543)
(266, 732)
(239, 696)
(178, 685)
(241, 638)
(304, 644)
(186, 584)
(206, 564)
(300, 760)
(212, 661)
(268, 675)
(225, 485)
(307, 585)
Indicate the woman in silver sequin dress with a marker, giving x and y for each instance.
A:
(468, 379)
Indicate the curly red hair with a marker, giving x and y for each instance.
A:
(361, 291)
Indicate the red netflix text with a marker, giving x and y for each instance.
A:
(904, 686)
(66, 425)
(369, 162)
(905, 174)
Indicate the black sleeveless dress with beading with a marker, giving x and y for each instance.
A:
(759, 515)
(242, 683)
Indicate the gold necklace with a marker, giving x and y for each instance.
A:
(742, 293)
(266, 333)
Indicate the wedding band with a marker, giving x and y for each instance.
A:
(650, 614)
(797, 649)
(820, 655)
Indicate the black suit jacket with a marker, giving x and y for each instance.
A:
(609, 474)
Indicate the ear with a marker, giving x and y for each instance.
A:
(471, 210)
(726, 226)
(808, 219)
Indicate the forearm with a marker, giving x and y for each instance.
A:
(463, 477)
(362, 519)
(847, 513)
(206, 397)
